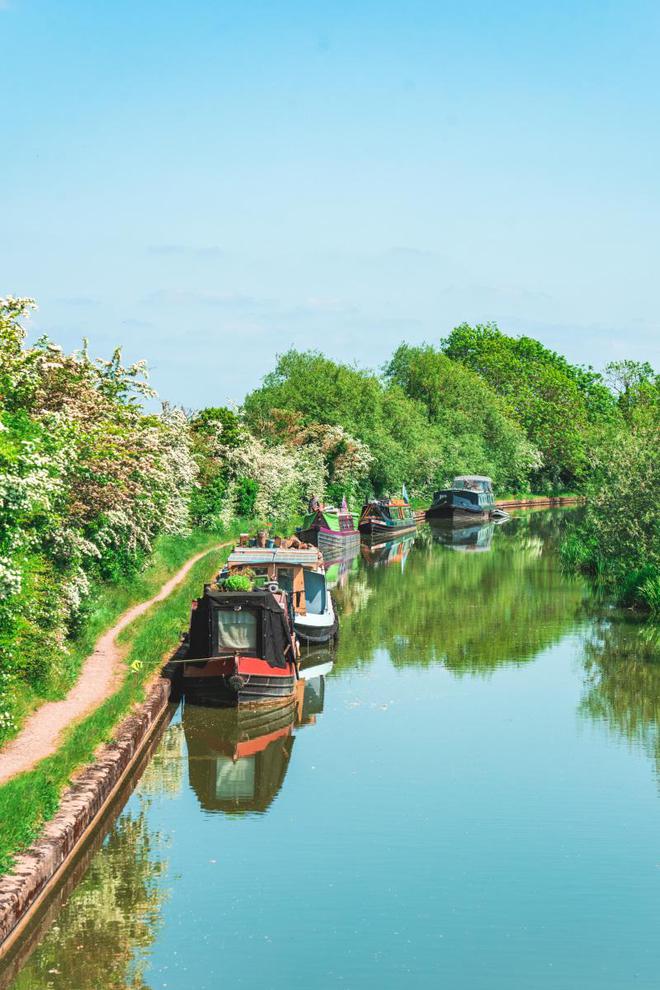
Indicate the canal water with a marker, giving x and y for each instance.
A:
(466, 796)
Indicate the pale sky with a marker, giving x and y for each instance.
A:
(209, 183)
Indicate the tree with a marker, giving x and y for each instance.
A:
(564, 409)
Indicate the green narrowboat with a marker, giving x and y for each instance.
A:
(386, 518)
(333, 531)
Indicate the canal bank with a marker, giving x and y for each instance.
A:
(480, 709)
(144, 638)
(81, 809)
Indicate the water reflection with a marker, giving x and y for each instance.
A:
(470, 612)
(338, 573)
(474, 539)
(101, 934)
(391, 552)
(622, 667)
(238, 757)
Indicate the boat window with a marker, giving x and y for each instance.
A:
(285, 578)
(315, 592)
(234, 781)
(236, 630)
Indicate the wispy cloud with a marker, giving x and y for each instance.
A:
(400, 251)
(134, 324)
(192, 297)
(76, 300)
(188, 250)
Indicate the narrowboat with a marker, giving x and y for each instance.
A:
(240, 647)
(386, 518)
(333, 531)
(299, 572)
(470, 497)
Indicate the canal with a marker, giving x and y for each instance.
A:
(466, 796)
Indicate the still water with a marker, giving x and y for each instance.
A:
(466, 796)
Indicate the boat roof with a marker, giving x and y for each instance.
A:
(242, 599)
(274, 555)
(472, 477)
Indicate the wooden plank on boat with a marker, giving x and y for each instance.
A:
(277, 555)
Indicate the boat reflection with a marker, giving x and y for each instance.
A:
(391, 552)
(338, 570)
(467, 539)
(314, 669)
(238, 757)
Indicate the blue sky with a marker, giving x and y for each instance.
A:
(211, 182)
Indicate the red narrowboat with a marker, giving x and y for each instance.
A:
(240, 648)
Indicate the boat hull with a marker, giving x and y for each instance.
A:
(313, 634)
(459, 514)
(376, 531)
(224, 681)
(331, 541)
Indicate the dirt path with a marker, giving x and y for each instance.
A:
(101, 674)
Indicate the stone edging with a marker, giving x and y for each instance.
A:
(80, 805)
(543, 502)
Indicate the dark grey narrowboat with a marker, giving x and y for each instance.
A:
(470, 497)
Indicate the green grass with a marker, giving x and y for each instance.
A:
(27, 801)
(108, 603)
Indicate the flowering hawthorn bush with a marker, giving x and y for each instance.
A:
(88, 480)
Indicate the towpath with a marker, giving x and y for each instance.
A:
(100, 676)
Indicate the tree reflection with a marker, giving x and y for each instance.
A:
(623, 679)
(469, 612)
(100, 937)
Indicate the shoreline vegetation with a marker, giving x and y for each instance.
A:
(100, 499)
(91, 483)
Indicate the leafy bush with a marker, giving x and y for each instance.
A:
(237, 582)
(88, 481)
(247, 490)
(619, 541)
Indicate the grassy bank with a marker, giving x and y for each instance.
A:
(29, 800)
(109, 601)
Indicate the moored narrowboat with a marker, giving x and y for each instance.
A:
(298, 571)
(469, 497)
(333, 531)
(240, 647)
(386, 518)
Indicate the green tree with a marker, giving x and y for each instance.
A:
(563, 408)
(479, 436)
